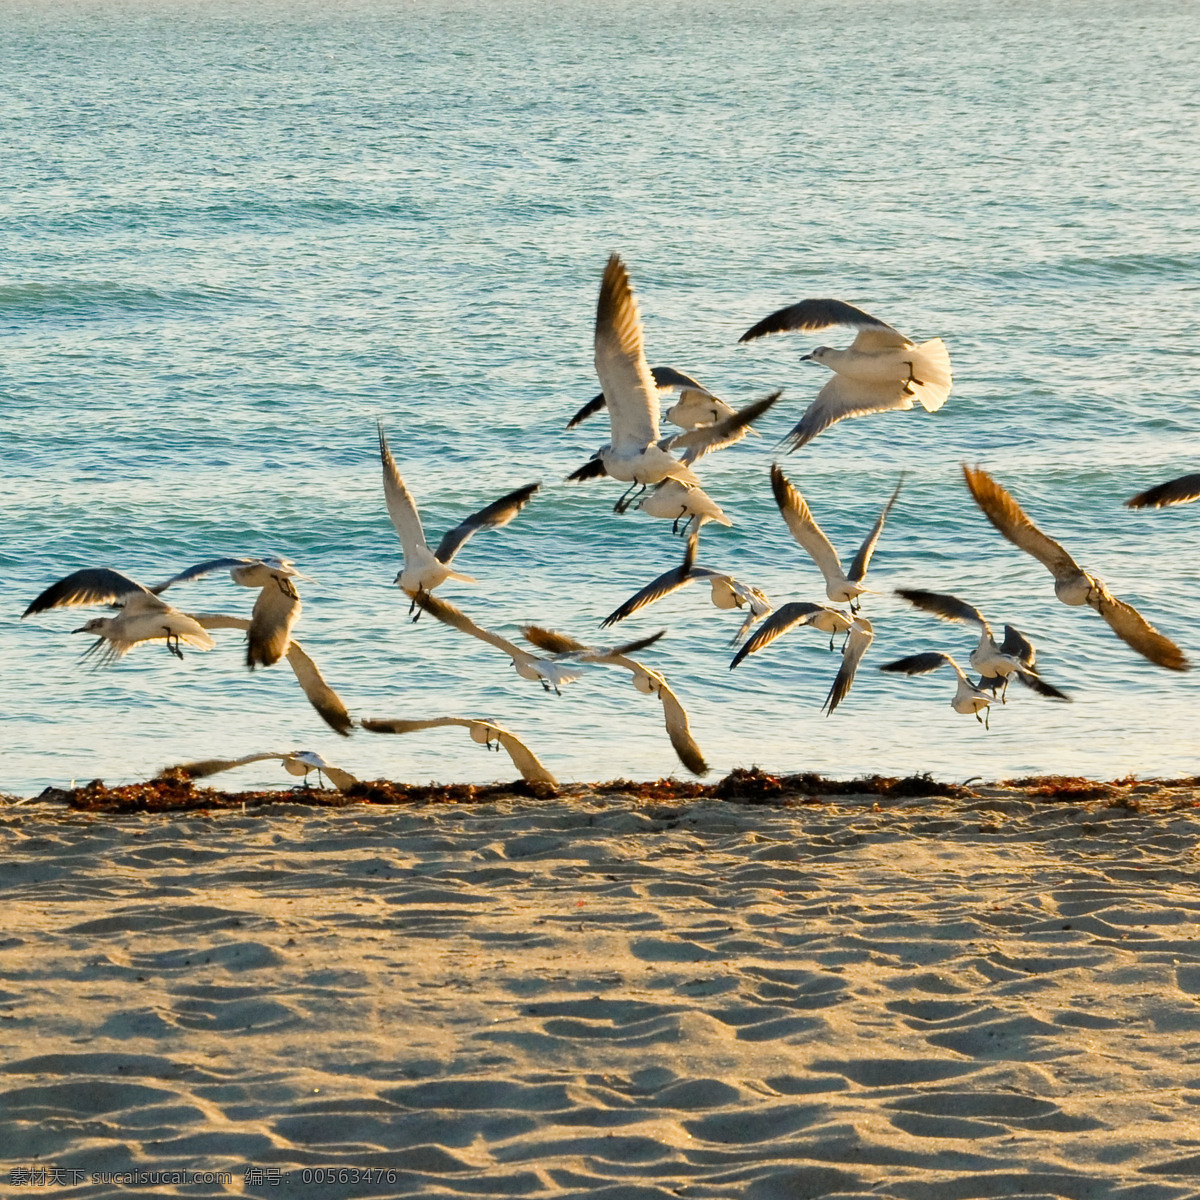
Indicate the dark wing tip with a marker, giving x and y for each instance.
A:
(1175, 491)
(592, 469)
(593, 406)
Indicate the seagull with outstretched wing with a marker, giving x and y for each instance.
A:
(1072, 584)
(880, 371)
(425, 569)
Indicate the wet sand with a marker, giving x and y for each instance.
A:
(618, 994)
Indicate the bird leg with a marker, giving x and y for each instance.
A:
(628, 497)
(173, 643)
(908, 389)
(414, 609)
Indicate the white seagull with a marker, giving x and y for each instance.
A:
(320, 695)
(727, 592)
(143, 616)
(1183, 490)
(647, 681)
(968, 698)
(636, 454)
(485, 733)
(696, 405)
(840, 587)
(1072, 584)
(552, 673)
(275, 611)
(996, 662)
(295, 762)
(881, 370)
(425, 569)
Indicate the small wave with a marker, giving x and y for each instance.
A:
(99, 298)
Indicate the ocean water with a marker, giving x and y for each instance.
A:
(237, 235)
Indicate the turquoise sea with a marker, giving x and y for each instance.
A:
(236, 235)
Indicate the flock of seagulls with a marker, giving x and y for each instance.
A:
(882, 370)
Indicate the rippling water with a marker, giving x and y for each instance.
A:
(236, 235)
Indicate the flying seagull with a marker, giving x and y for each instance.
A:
(788, 616)
(552, 673)
(881, 370)
(636, 454)
(320, 695)
(486, 733)
(647, 681)
(995, 662)
(295, 762)
(840, 587)
(968, 698)
(1183, 490)
(425, 569)
(1072, 584)
(275, 611)
(143, 616)
(727, 592)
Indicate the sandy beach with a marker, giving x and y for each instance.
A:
(607, 994)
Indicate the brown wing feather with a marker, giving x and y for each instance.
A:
(1135, 631)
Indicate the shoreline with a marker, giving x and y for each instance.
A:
(177, 793)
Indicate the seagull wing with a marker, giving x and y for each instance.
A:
(531, 767)
(873, 340)
(668, 582)
(400, 505)
(803, 527)
(1033, 681)
(204, 568)
(679, 730)
(861, 636)
(275, 612)
(498, 513)
(457, 619)
(798, 612)
(862, 560)
(810, 315)
(699, 441)
(919, 664)
(949, 608)
(211, 766)
(590, 409)
(92, 585)
(1007, 516)
(842, 397)
(627, 384)
(320, 695)
(667, 379)
(1183, 490)
(1135, 631)
(592, 469)
(551, 641)
(1017, 645)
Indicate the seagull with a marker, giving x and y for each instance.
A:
(275, 611)
(486, 733)
(839, 587)
(968, 699)
(995, 662)
(798, 612)
(320, 695)
(727, 592)
(425, 569)
(686, 507)
(636, 454)
(696, 405)
(1072, 584)
(880, 370)
(1183, 490)
(295, 762)
(143, 616)
(553, 673)
(648, 682)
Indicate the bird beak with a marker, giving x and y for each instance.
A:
(81, 629)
